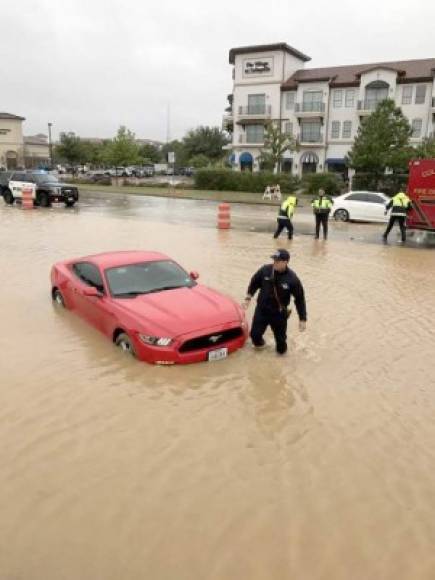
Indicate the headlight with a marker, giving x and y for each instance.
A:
(155, 340)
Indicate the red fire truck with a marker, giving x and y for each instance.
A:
(421, 190)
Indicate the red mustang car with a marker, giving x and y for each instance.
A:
(150, 306)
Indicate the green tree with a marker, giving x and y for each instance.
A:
(426, 149)
(199, 161)
(276, 143)
(149, 152)
(206, 141)
(181, 155)
(70, 149)
(123, 149)
(382, 141)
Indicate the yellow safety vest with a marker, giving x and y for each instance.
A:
(288, 205)
(401, 204)
(323, 203)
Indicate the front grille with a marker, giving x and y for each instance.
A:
(211, 340)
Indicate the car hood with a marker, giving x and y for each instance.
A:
(171, 313)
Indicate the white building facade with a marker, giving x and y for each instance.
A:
(321, 108)
(17, 150)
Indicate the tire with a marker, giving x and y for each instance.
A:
(58, 298)
(341, 215)
(8, 197)
(69, 203)
(123, 341)
(44, 199)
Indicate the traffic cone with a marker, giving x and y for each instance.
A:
(27, 198)
(224, 217)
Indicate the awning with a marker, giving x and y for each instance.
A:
(246, 158)
(335, 161)
(309, 157)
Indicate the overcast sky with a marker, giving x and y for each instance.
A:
(89, 66)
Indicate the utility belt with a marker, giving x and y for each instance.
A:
(322, 210)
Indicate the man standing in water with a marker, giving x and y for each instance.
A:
(322, 206)
(285, 216)
(400, 204)
(277, 284)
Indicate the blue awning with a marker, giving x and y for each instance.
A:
(335, 160)
(246, 158)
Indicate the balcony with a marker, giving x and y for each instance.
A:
(228, 122)
(254, 113)
(310, 140)
(255, 141)
(310, 109)
(367, 107)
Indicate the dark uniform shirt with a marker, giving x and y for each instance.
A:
(287, 284)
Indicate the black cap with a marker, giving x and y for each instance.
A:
(281, 254)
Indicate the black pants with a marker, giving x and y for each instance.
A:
(278, 323)
(401, 220)
(282, 224)
(322, 220)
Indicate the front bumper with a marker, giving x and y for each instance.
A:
(65, 194)
(172, 354)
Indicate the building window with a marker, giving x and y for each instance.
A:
(254, 133)
(407, 94)
(290, 101)
(417, 125)
(376, 92)
(310, 131)
(256, 104)
(338, 99)
(350, 98)
(347, 129)
(420, 94)
(312, 101)
(288, 128)
(335, 129)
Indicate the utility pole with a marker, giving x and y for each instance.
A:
(50, 144)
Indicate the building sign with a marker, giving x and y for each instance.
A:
(171, 157)
(260, 67)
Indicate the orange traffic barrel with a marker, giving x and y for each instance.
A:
(27, 198)
(224, 216)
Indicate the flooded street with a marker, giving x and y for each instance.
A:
(316, 466)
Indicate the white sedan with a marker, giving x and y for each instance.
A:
(367, 206)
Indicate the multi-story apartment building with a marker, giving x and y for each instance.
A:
(320, 107)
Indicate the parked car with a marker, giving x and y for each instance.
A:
(368, 206)
(150, 307)
(48, 188)
(148, 170)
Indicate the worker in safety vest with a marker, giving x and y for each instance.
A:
(285, 215)
(400, 204)
(322, 206)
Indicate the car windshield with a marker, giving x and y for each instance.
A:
(44, 178)
(146, 277)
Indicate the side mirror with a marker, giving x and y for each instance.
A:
(194, 275)
(91, 291)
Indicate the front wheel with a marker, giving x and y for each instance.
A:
(341, 215)
(8, 197)
(44, 199)
(58, 298)
(123, 341)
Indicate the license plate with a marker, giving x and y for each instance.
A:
(217, 354)
(70, 199)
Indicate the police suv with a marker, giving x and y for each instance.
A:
(48, 188)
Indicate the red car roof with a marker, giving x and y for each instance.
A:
(114, 259)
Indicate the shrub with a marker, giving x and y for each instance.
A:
(228, 180)
(388, 183)
(330, 182)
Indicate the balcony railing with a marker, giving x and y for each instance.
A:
(312, 107)
(367, 105)
(254, 110)
(310, 138)
(252, 140)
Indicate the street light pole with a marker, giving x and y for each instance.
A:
(50, 144)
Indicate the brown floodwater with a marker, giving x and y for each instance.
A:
(316, 466)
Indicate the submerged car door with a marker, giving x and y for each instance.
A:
(377, 207)
(357, 205)
(16, 184)
(96, 309)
